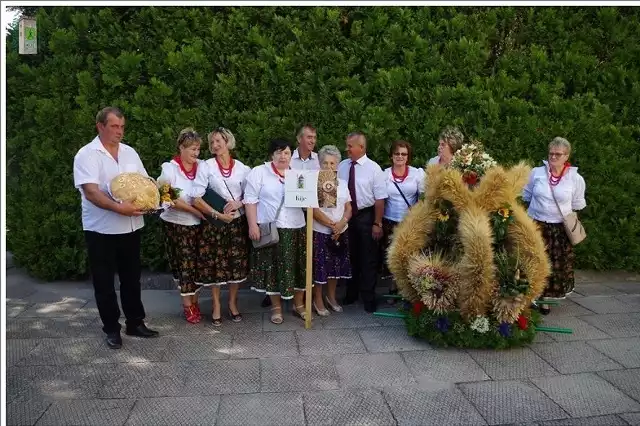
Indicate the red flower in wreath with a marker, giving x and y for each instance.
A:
(417, 308)
(522, 322)
(470, 178)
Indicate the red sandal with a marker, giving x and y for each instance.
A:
(191, 314)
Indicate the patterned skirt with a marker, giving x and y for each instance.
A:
(388, 227)
(181, 244)
(281, 269)
(561, 255)
(330, 260)
(223, 253)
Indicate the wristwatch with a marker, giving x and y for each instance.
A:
(379, 225)
(214, 214)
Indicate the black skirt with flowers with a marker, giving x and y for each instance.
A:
(562, 258)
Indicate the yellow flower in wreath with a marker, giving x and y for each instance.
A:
(504, 212)
(443, 217)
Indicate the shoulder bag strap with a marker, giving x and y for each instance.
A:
(225, 184)
(279, 208)
(400, 191)
(552, 193)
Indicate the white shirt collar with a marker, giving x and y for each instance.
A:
(362, 160)
(296, 154)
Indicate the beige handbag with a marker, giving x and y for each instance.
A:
(572, 225)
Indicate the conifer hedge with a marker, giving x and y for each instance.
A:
(512, 77)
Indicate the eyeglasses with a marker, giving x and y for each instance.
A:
(557, 154)
(189, 135)
(401, 154)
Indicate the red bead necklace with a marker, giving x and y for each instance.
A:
(225, 172)
(400, 179)
(554, 180)
(191, 175)
(277, 172)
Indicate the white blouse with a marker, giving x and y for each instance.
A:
(434, 160)
(174, 176)
(263, 187)
(334, 214)
(569, 194)
(230, 188)
(395, 207)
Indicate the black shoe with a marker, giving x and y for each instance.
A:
(266, 302)
(114, 340)
(370, 307)
(141, 331)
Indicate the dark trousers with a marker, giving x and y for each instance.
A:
(108, 255)
(365, 255)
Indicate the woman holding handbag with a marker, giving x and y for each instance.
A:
(224, 250)
(331, 259)
(278, 257)
(554, 192)
(404, 186)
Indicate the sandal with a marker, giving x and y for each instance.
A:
(235, 317)
(322, 312)
(334, 306)
(544, 309)
(191, 315)
(302, 314)
(277, 318)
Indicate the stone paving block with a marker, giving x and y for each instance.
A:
(411, 406)
(443, 366)
(133, 350)
(581, 329)
(628, 381)
(351, 317)
(610, 420)
(290, 323)
(628, 287)
(176, 325)
(515, 363)
(142, 379)
(304, 373)
(197, 348)
(19, 292)
(223, 377)
(616, 325)
(265, 345)
(347, 407)
(391, 339)
(43, 328)
(53, 382)
(543, 337)
(251, 323)
(66, 307)
(107, 412)
(63, 351)
(574, 357)
(261, 409)
(585, 395)
(606, 305)
(191, 410)
(330, 342)
(632, 418)
(511, 402)
(16, 307)
(25, 410)
(569, 308)
(596, 289)
(372, 370)
(626, 351)
(17, 349)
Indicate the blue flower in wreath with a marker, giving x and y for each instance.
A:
(442, 324)
(505, 329)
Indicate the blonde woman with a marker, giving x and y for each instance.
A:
(224, 251)
(181, 221)
(450, 141)
(556, 178)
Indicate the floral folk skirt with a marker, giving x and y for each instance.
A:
(181, 244)
(388, 226)
(561, 255)
(223, 253)
(330, 260)
(280, 269)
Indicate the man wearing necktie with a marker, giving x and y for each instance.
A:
(368, 191)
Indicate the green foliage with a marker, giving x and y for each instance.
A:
(511, 77)
(457, 332)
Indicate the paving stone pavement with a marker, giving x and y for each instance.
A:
(349, 369)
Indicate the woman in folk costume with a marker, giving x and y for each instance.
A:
(181, 221)
(555, 190)
(224, 251)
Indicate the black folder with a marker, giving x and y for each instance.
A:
(216, 201)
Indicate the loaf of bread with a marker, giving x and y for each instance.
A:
(136, 188)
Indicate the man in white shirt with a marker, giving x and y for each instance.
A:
(112, 229)
(368, 190)
(303, 157)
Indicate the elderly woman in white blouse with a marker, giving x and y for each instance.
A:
(331, 259)
(278, 270)
(181, 221)
(224, 251)
(404, 186)
(450, 141)
(556, 179)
